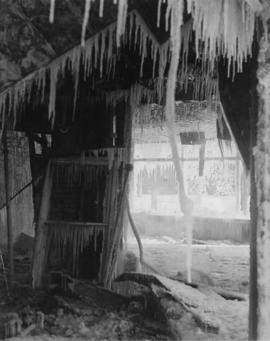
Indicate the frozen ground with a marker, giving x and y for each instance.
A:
(226, 263)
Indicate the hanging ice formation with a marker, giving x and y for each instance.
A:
(52, 9)
(99, 51)
(222, 27)
(226, 28)
(77, 235)
(85, 20)
(232, 40)
(175, 10)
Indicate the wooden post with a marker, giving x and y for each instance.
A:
(41, 247)
(109, 209)
(8, 208)
(262, 177)
(237, 182)
(253, 290)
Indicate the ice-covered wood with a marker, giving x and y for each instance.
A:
(9, 220)
(262, 172)
(210, 311)
(40, 249)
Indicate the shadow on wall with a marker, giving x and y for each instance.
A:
(235, 230)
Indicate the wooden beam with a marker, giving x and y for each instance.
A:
(74, 223)
(87, 161)
(8, 208)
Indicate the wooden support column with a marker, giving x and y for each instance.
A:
(262, 173)
(8, 208)
(41, 247)
(237, 181)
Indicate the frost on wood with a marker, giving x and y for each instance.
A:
(262, 170)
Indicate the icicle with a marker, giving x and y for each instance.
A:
(53, 80)
(168, 13)
(121, 19)
(176, 9)
(52, 10)
(85, 20)
(96, 45)
(88, 57)
(75, 66)
(102, 51)
(110, 152)
(158, 13)
(101, 7)
(95, 238)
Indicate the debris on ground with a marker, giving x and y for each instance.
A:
(87, 312)
(150, 307)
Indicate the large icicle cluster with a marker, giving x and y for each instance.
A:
(224, 28)
(78, 173)
(99, 51)
(221, 27)
(78, 236)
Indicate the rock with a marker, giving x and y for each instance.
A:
(69, 332)
(135, 306)
(77, 311)
(60, 312)
(40, 319)
(98, 312)
(27, 316)
(83, 330)
(50, 319)
(28, 330)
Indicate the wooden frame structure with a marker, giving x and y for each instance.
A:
(116, 184)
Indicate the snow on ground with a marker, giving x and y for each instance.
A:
(226, 263)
